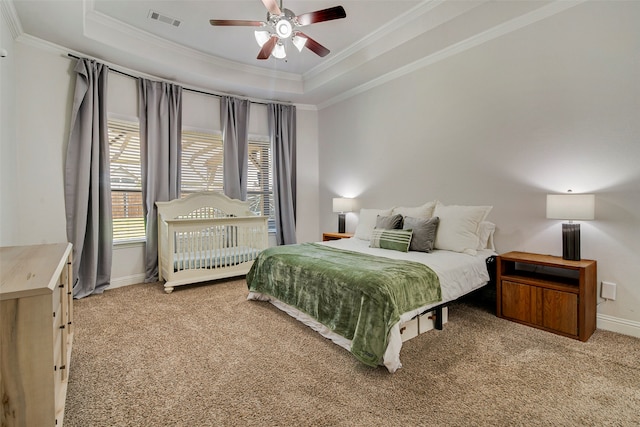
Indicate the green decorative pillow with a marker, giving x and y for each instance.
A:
(397, 240)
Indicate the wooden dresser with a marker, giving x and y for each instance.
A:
(36, 333)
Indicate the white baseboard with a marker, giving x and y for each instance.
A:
(603, 321)
(616, 324)
(126, 281)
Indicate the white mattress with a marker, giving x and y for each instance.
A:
(459, 274)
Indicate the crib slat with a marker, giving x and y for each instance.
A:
(206, 241)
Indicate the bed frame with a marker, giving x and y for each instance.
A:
(436, 317)
(207, 236)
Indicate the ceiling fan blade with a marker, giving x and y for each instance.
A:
(234, 22)
(272, 7)
(267, 48)
(336, 12)
(314, 46)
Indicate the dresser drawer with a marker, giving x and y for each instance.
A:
(36, 310)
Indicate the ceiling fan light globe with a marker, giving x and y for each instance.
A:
(279, 52)
(262, 36)
(284, 28)
(299, 42)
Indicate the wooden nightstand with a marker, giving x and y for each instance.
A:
(547, 292)
(335, 236)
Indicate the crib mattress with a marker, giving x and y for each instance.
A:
(214, 259)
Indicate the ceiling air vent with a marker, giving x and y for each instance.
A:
(163, 18)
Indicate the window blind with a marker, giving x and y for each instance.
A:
(202, 170)
(201, 162)
(260, 179)
(126, 180)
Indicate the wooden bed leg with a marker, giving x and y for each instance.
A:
(168, 289)
(438, 319)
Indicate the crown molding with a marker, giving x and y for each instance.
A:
(11, 18)
(93, 19)
(63, 51)
(471, 42)
(384, 32)
(45, 45)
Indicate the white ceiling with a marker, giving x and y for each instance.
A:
(378, 40)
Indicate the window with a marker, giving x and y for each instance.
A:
(202, 170)
(126, 181)
(201, 162)
(260, 179)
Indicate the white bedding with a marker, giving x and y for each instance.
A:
(459, 274)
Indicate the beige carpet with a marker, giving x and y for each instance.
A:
(205, 356)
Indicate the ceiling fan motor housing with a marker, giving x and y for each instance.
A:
(283, 29)
(283, 24)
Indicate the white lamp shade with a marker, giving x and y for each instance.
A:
(278, 51)
(343, 204)
(299, 42)
(571, 206)
(262, 36)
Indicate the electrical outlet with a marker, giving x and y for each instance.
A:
(608, 291)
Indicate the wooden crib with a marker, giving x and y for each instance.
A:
(207, 236)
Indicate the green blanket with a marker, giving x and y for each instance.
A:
(357, 296)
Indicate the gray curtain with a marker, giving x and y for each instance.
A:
(234, 116)
(87, 187)
(282, 130)
(160, 113)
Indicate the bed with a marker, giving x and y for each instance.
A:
(368, 298)
(207, 236)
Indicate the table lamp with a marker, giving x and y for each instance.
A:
(571, 207)
(341, 205)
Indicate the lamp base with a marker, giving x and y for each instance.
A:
(571, 242)
(341, 222)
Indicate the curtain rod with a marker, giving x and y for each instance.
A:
(183, 88)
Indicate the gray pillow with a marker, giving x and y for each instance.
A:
(424, 232)
(393, 222)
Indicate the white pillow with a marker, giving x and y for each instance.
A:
(458, 228)
(424, 212)
(367, 222)
(485, 235)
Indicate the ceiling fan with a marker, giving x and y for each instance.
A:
(282, 25)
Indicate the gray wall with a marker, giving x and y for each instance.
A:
(550, 107)
(8, 154)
